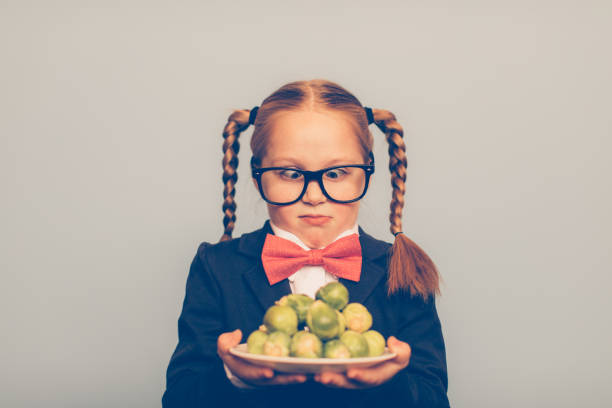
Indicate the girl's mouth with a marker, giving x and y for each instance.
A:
(315, 219)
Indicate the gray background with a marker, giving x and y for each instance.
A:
(110, 120)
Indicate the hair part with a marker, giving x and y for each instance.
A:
(410, 268)
(313, 95)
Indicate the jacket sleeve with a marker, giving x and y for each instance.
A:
(195, 373)
(424, 382)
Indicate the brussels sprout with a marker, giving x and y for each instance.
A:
(300, 303)
(322, 320)
(281, 318)
(305, 344)
(277, 344)
(336, 349)
(341, 323)
(255, 342)
(356, 343)
(357, 317)
(376, 343)
(334, 294)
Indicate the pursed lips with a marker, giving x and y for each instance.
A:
(315, 219)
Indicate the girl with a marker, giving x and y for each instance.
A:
(312, 161)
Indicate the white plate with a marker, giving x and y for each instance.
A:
(308, 365)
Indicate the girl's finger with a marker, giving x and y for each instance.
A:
(334, 380)
(237, 366)
(246, 370)
(402, 349)
(284, 379)
(227, 340)
(382, 372)
(373, 376)
(370, 376)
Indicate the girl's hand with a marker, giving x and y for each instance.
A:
(370, 376)
(247, 372)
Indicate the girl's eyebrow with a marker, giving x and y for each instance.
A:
(344, 161)
(286, 162)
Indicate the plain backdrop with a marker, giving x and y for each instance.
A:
(111, 115)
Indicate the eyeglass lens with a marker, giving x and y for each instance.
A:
(286, 185)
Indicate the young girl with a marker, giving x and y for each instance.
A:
(312, 161)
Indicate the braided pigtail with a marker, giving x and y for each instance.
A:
(236, 123)
(409, 266)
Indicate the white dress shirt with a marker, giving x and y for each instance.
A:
(307, 280)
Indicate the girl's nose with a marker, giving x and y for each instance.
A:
(313, 194)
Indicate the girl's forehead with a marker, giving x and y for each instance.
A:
(319, 153)
(306, 127)
(312, 139)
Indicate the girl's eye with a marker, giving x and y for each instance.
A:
(335, 174)
(290, 174)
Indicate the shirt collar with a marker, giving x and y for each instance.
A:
(293, 238)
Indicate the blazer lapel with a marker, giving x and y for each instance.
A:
(251, 244)
(265, 293)
(371, 272)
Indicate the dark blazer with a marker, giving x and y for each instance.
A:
(227, 289)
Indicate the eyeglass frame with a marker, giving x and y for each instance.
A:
(309, 176)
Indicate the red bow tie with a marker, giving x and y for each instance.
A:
(281, 258)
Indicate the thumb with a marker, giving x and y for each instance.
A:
(237, 336)
(402, 349)
(228, 340)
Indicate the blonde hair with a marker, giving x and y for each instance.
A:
(410, 268)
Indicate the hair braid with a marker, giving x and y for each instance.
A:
(236, 123)
(409, 266)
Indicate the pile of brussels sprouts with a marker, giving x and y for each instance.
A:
(329, 327)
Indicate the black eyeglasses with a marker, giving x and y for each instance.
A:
(340, 184)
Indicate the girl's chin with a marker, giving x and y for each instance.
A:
(317, 237)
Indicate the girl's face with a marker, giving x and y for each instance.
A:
(311, 141)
